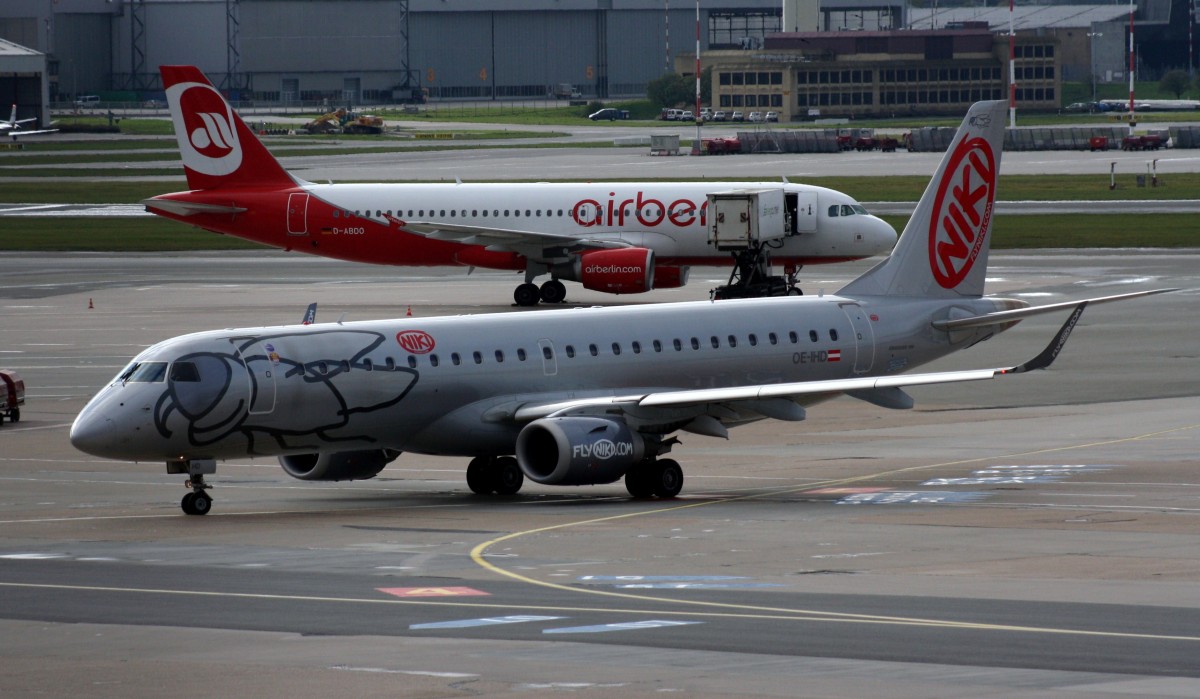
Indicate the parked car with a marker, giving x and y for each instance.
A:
(606, 113)
(771, 116)
(737, 116)
(686, 115)
(720, 115)
(706, 114)
(755, 116)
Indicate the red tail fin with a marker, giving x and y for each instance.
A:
(218, 149)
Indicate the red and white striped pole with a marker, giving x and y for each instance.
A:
(667, 34)
(1131, 63)
(696, 145)
(1012, 68)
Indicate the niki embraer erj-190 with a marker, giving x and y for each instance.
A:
(575, 396)
(619, 238)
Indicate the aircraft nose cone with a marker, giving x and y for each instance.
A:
(92, 434)
(885, 236)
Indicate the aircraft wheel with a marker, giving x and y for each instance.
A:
(554, 291)
(201, 504)
(795, 291)
(15, 415)
(187, 504)
(507, 476)
(527, 294)
(637, 481)
(478, 476)
(666, 478)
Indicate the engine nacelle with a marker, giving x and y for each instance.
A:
(337, 466)
(620, 271)
(577, 450)
(670, 277)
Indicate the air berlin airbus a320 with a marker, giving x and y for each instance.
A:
(620, 238)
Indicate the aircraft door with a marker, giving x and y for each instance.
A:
(802, 206)
(549, 359)
(297, 213)
(261, 362)
(864, 337)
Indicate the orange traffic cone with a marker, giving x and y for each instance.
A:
(409, 313)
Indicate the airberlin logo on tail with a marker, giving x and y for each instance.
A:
(206, 129)
(962, 211)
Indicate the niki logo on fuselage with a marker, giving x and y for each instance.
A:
(211, 145)
(680, 213)
(962, 210)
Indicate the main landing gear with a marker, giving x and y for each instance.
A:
(528, 294)
(751, 277)
(494, 474)
(654, 477)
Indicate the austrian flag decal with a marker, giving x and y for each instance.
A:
(962, 211)
(834, 355)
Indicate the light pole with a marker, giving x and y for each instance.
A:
(1092, 62)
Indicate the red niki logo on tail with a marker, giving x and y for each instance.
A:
(962, 211)
(210, 140)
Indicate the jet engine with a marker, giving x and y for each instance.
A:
(577, 450)
(337, 466)
(620, 271)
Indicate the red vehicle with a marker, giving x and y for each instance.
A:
(1149, 142)
(12, 397)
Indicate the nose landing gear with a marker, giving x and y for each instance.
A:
(197, 502)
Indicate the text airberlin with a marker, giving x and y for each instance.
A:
(648, 212)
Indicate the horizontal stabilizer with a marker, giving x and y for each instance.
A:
(186, 208)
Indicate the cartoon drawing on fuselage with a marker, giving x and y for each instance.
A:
(620, 238)
(581, 396)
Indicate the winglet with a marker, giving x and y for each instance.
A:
(1048, 355)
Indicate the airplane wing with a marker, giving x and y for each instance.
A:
(1019, 313)
(709, 406)
(505, 239)
(17, 133)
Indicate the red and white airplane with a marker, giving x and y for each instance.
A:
(621, 238)
(13, 127)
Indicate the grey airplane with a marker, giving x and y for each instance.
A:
(577, 396)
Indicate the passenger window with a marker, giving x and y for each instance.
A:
(657, 346)
(455, 359)
(442, 213)
(474, 212)
(593, 350)
(499, 356)
(570, 351)
(812, 335)
(390, 364)
(412, 363)
(616, 346)
(637, 347)
(478, 358)
(433, 360)
(773, 339)
(547, 353)
(521, 354)
(678, 345)
(345, 365)
(716, 342)
(323, 368)
(732, 341)
(695, 343)
(336, 213)
(367, 364)
(833, 334)
(451, 213)
(185, 372)
(793, 337)
(753, 340)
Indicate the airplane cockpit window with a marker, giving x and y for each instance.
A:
(847, 210)
(184, 371)
(859, 209)
(833, 210)
(145, 372)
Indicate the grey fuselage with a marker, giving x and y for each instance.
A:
(451, 385)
